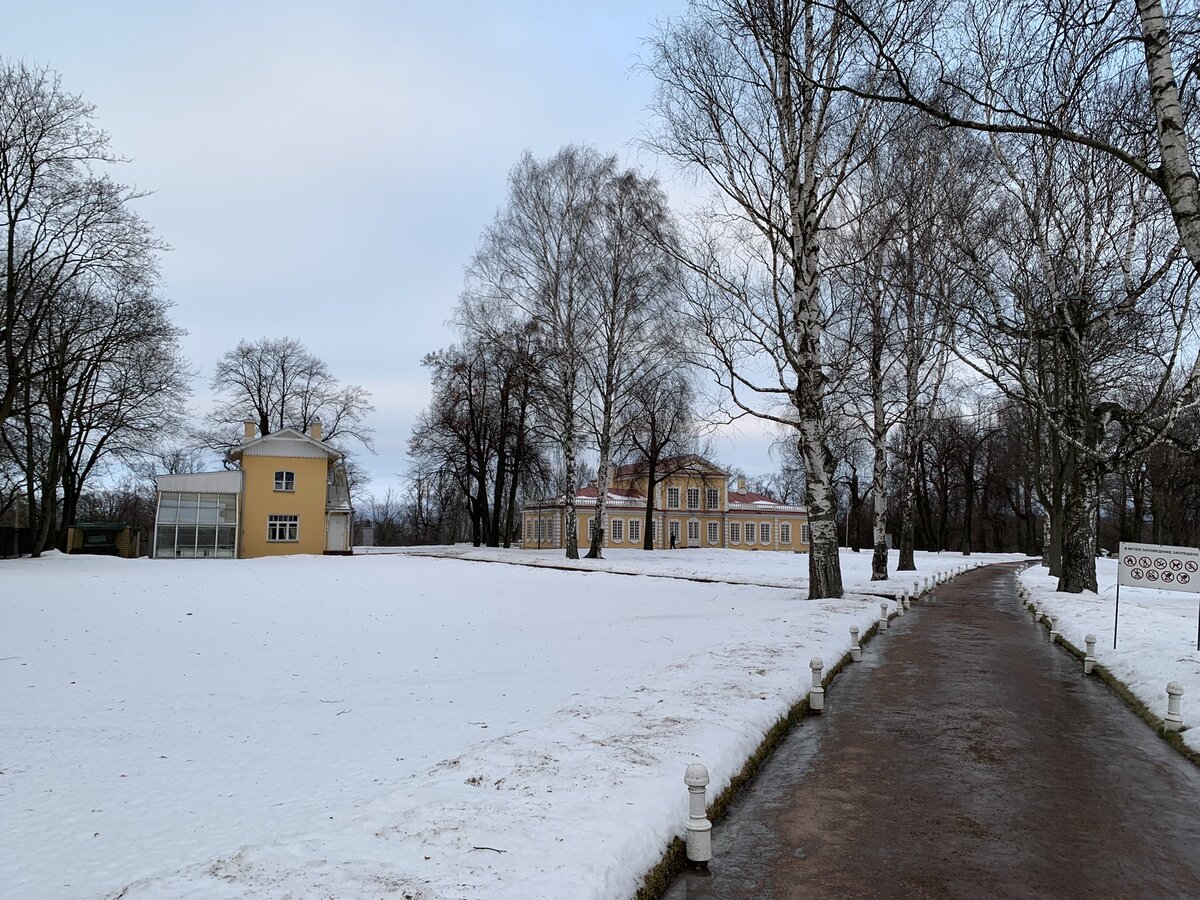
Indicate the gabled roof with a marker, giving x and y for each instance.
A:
(287, 442)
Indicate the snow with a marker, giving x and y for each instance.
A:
(358, 726)
(1156, 635)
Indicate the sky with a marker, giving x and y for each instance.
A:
(324, 171)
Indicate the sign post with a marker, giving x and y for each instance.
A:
(1160, 567)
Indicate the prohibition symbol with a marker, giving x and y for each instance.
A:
(1137, 574)
(1190, 565)
(1168, 577)
(1151, 575)
(1176, 565)
(1131, 561)
(1184, 577)
(1145, 562)
(1160, 563)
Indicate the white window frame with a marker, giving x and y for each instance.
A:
(749, 531)
(693, 530)
(616, 532)
(805, 534)
(290, 525)
(693, 498)
(285, 481)
(764, 533)
(672, 498)
(635, 531)
(712, 496)
(735, 532)
(785, 532)
(714, 532)
(673, 530)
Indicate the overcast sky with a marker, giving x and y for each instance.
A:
(323, 171)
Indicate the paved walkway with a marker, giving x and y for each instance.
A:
(964, 757)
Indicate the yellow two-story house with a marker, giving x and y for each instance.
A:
(693, 507)
(289, 494)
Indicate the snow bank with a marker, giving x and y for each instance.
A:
(374, 725)
(1156, 636)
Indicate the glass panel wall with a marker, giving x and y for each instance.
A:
(196, 526)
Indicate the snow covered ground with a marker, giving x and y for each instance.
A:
(1156, 636)
(384, 725)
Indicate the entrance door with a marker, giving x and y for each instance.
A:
(335, 534)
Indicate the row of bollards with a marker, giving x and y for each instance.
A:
(698, 830)
(1173, 721)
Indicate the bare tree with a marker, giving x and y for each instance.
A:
(280, 384)
(661, 415)
(62, 223)
(742, 100)
(1099, 74)
(534, 259)
(631, 281)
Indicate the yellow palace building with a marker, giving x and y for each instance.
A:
(289, 494)
(693, 504)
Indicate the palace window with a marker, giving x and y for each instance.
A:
(764, 533)
(635, 531)
(285, 481)
(805, 534)
(713, 498)
(618, 530)
(713, 532)
(749, 532)
(673, 530)
(693, 498)
(693, 530)
(283, 528)
(735, 532)
(672, 498)
(785, 532)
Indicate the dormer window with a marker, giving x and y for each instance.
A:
(285, 481)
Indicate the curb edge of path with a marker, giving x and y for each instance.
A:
(1130, 699)
(660, 876)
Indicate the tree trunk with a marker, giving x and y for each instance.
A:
(652, 465)
(596, 550)
(1079, 535)
(879, 554)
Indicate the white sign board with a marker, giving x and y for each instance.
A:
(1159, 567)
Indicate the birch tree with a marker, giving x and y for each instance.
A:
(1055, 70)
(742, 102)
(534, 258)
(631, 279)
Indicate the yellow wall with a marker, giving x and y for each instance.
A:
(260, 500)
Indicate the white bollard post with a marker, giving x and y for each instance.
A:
(1089, 661)
(855, 648)
(1174, 720)
(907, 600)
(917, 588)
(900, 605)
(883, 617)
(1053, 631)
(698, 830)
(816, 696)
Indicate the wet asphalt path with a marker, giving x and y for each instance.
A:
(963, 757)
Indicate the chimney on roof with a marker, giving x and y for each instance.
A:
(741, 485)
(250, 427)
(314, 429)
